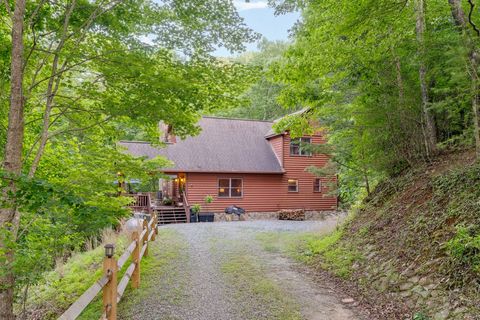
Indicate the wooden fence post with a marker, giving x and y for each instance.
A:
(136, 260)
(155, 224)
(145, 237)
(110, 289)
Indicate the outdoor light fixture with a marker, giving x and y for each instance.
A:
(133, 224)
(109, 250)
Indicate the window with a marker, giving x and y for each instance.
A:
(292, 185)
(230, 188)
(299, 147)
(317, 185)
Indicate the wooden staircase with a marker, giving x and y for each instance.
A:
(167, 215)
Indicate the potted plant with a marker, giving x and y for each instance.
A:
(194, 211)
(207, 216)
(167, 201)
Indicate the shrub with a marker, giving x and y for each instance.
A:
(464, 248)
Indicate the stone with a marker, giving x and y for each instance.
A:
(348, 300)
(383, 284)
(420, 291)
(442, 315)
(406, 294)
(406, 286)
(424, 281)
(414, 279)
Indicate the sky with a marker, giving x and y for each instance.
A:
(259, 17)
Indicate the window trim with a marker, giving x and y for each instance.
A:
(319, 185)
(296, 183)
(299, 148)
(229, 188)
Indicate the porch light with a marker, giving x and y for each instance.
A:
(222, 190)
(109, 250)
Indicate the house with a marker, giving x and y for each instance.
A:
(244, 163)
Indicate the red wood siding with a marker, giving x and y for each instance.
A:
(277, 146)
(268, 192)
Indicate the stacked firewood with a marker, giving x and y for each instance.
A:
(296, 214)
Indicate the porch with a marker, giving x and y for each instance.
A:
(148, 202)
(168, 201)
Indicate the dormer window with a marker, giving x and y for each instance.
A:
(300, 147)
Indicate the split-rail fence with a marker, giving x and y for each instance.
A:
(113, 291)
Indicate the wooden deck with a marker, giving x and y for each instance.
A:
(165, 214)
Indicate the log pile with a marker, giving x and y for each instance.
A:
(295, 214)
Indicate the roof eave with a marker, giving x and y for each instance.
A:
(222, 172)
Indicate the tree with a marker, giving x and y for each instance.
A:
(386, 80)
(79, 66)
(261, 98)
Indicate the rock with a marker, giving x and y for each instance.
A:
(442, 315)
(406, 294)
(414, 279)
(348, 300)
(406, 286)
(424, 281)
(420, 291)
(383, 284)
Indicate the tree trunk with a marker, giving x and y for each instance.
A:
(460, 21)
(13, 158)
(430, 127)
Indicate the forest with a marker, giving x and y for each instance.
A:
(393, 83)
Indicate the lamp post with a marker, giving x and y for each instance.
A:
(110, 289)
(109, 250)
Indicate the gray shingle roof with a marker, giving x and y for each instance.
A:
(224, 145)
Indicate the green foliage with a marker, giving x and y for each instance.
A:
(58, 289)
(260, 98)
(208, 199)
(464, 248)
(334, 255)
(105, 72)
(355, 65)
(420, 316)
(196, 208)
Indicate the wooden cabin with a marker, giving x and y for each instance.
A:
(243, 163)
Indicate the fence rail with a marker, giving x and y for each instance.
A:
(112, 293)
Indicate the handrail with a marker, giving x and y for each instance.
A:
(112, 293)
(186, 206)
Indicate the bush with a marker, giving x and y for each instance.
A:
(464, 248)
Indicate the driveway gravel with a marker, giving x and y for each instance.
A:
(210, 271)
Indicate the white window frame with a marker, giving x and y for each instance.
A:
(229, 188)
(288, 185)
(302, 140)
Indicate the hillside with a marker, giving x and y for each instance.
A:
(414, 246)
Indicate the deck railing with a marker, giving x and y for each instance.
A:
(141, 202)
(113, 292)
(186, 207)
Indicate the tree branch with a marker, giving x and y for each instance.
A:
(472, 7)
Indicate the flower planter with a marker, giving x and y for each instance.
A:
(193, 217)
(206, 217)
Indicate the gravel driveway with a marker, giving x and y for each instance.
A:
(210, 271)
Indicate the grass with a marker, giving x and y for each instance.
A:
(159, 267)
(251, 282)
(332, 254)
(61, 287)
